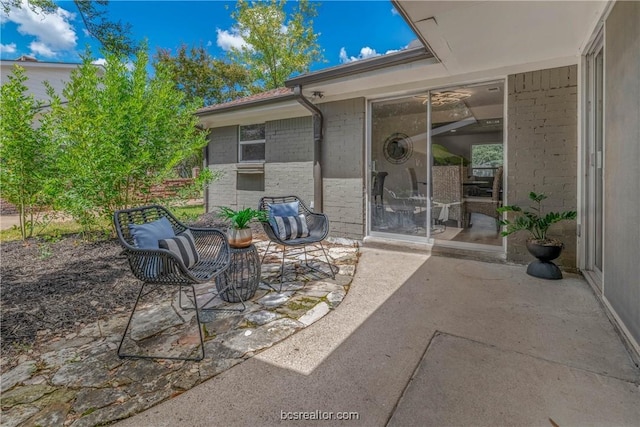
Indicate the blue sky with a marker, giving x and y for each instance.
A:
(348, 29)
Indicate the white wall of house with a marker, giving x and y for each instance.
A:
(57, 74)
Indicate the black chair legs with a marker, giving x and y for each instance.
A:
(160, 356)
(306, 263)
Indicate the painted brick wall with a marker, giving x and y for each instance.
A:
(291, 178)
(281, 179)
(223, 145)
(289, 140)
(288, 168)
(343, 167)
(222, 192)
(542, 151)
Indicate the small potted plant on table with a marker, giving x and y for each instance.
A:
(239, 233)
(539, 245)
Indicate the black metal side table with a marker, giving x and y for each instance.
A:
(244, 271)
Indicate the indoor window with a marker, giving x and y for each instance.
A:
(252, 143)
(486, 158)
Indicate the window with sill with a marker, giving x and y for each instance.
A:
(251, 147)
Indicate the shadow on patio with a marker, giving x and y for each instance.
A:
(431, 341)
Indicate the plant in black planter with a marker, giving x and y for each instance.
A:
(537, 223)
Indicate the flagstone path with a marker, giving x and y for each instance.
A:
(79, 380)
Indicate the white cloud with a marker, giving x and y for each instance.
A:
(394, 11)
(228, 40)
(39, 48)
(8, 48)
(365, 52)
(209, 43)
(99, 61)
(53, 32)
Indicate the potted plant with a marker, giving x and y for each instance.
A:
(239, 233)
(537, 223)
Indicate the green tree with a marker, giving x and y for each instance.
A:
(119, 133)
(25, 155)
(277, 45)
(203, 77)
(114, 36)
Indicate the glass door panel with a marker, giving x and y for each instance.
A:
(398, 175)
(467, 163)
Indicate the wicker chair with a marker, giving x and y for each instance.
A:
(317, 223)
(447, 193)
(160, 267)
(487, 205)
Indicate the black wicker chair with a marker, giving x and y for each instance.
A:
(160, 267)
(317, 223)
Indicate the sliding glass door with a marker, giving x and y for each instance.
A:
(467, 163)
(436, 165)
(398, 167)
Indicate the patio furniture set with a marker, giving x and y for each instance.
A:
(164, 252)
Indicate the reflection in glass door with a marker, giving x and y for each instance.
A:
(398, 175)
(467, 164)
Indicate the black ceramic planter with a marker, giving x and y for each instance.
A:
(543, 268)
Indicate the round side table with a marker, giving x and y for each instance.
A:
(244, 271)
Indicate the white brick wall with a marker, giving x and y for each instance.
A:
(542, 129)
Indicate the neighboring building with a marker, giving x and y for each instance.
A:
(393, 147)
(56, 73)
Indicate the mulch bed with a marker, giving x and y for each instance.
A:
(52, 289)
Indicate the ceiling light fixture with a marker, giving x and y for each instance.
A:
(439, 99)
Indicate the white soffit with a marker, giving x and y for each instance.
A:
(257, 114)
(470, 36)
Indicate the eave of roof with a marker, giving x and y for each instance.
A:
(263, 98)
(361, 66)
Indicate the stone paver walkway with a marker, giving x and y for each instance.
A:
(80, 381)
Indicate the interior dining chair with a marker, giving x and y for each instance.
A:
(486, 205)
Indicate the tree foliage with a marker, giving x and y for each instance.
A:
(277, 45)
(120, 132)
(203, 77)
(26, 161)
(114, 36)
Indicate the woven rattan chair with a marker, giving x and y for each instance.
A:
(317, 223)
(447, 192)
(487, 205)
(160, 267)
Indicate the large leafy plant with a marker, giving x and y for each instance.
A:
(240, 219)
(535, 221)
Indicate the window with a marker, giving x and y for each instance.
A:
(251, 143)
(485, 159)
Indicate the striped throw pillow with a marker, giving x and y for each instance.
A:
(291, 227)
(184, 246)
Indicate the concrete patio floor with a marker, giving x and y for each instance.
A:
(430, 340)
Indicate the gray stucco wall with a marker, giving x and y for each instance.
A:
(343, 166)
(542, 150)
(622, 164)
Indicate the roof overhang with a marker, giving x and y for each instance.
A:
(256, 112)
(469, 36)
